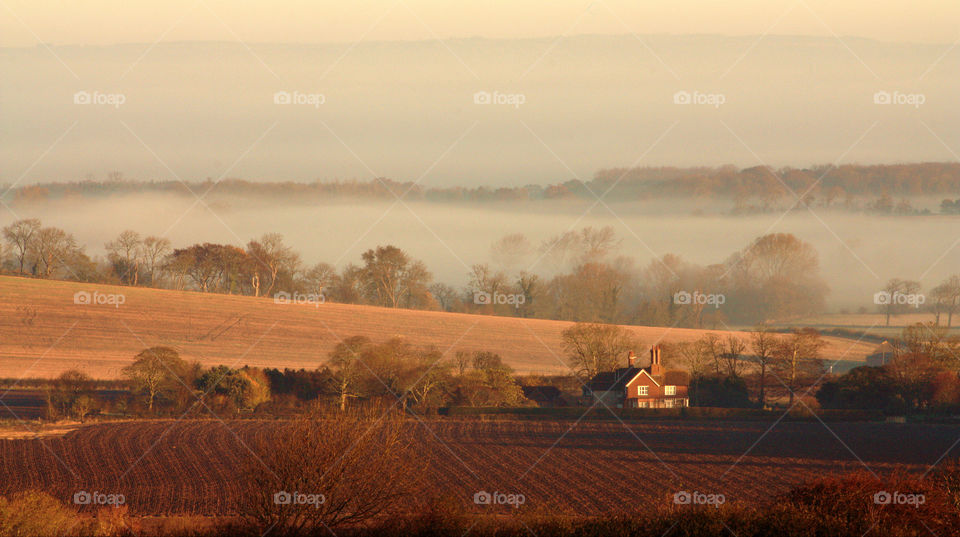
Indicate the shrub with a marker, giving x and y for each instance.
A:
(348, 467)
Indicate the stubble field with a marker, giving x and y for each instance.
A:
(43, 333)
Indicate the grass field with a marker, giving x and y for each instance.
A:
(43, 332)
(191, 467)
(875, 323)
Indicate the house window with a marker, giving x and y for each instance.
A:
(643, 390)
(670, 390)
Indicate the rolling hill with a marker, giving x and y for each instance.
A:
(43, 332)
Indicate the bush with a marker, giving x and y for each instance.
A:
(37, 514)
(726, 392)
(348, 467)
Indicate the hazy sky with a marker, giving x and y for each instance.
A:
(25, 22)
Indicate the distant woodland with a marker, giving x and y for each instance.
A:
(881, 189)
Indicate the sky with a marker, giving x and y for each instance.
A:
(102, 22)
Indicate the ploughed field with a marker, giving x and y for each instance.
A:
(43, 332)
(193, 467)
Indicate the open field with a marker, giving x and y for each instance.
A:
(191, 467)
(875, 323)
(43, 333)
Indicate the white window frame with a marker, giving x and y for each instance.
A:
(670, 390)
(643, 390)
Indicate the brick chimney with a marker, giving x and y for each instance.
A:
(656, 366)
(631, 359)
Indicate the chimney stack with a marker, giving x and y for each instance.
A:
(656, 367)
(631, 359)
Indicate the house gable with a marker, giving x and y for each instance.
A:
(642, 373)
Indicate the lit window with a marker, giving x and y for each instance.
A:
(671, 390)
(643, 390)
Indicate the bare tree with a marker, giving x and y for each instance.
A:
(711, 346)
(445, 295)
(797, 360)
(345, 359)
(484, 279)
(764, 343)
(529, 286)
(589, 245)
(511, 250)
(693, 358)
(931, 341)
(783, 273)
(594, 348)
(319, 474)
(732, 355)
(154, 371)
(320, 277)
(391, 278)
(461, 361)
(272, 257)
(20, 235)
(892, 304)
(125, 254)
(154, 250)
(51, 248)
(946, 297)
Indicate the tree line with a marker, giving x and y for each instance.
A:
(583, 276)
(755, 188)
(358, 372)
(586, 277)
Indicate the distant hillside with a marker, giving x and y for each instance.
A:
(43, 332)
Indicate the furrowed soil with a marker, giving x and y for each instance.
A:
(193, 467)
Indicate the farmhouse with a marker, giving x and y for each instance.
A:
(639, 387)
